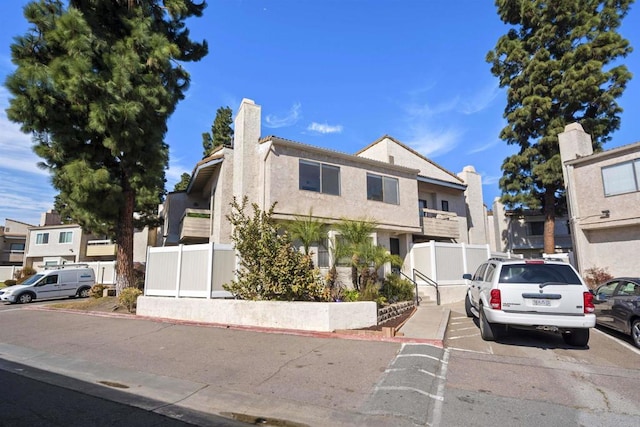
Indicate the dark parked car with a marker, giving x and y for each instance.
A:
(617, 304)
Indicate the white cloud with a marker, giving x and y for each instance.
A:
(290, 118)
(324, 128)
(481, 100)
(484, 147)
(490, 180)
(432, 144)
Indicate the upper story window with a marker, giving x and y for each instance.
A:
(17, 247)
(382, 189)
(42, 238)
(319, 177)
(65, 237)
(536, 228)
(621, 178)
(445, 205)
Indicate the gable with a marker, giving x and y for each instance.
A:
(389, 150)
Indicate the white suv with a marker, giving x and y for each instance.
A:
(530, 294)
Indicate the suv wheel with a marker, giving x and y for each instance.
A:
(467, 306)
(488, 331)
(577, 337)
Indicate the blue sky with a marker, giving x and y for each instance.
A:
(336, 74)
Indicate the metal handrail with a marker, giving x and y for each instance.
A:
(414, 284)
(429, 282)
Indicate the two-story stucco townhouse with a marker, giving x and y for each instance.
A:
(409, 197)
(13, 236)
(54, 243)
(603, 195)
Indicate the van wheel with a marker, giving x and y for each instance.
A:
(577, 337)
(83, 293)
(25, 298)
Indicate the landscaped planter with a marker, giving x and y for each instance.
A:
(308, 316)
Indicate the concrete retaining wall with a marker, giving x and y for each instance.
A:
(309, 316)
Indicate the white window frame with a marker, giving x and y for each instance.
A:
(385, 181)
(624, 177)
(42, 238)
(65, 233)
(323, 186)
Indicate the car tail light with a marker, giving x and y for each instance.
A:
(534, 261)
(588, 302)
(496, 299)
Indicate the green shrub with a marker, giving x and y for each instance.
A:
(270, 267)
(396, 289)
(97, 290)
(128, 298)
(10, 282)
(350, 295)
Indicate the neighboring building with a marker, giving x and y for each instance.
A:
(409, 197)
(13, 236)
(603, 194)
(523, 232)
(54, 243)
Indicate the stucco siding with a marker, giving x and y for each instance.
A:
(282, 186)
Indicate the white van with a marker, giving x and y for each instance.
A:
(66, 280)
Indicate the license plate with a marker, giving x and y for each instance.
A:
(542, 302)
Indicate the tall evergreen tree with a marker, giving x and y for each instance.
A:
(558, 63)
(221, 131)
(185, 178)
(96, 82)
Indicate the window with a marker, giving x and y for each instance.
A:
(42, 238)
(382, 189)
(445, 205)
(65, 237)
(422, 206)
(536, 228)
(17, 247)
(319, 177)
(621, 178)
(323, 253)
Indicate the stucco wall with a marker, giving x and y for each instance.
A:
(283, 186)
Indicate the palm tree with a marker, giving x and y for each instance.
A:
(355, 241)
(307, 230)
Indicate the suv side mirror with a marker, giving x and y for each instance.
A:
(466, 276)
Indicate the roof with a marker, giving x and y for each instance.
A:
(618, 151)
(203, 170)
(287, 142)
(412, 151)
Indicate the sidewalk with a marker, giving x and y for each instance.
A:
(203, 371)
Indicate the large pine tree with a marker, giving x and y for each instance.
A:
(559, 65)
(221, 132)
(95, 83)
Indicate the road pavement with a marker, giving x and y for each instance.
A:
(181, 369)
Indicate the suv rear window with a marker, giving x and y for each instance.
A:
(538, 273)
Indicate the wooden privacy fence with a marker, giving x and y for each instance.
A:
(196, 271)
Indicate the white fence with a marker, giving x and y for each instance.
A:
(105, 271)
(190, 270)
(445, 263)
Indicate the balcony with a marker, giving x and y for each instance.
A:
(101, 248)
(12, 257)
(195, 226)
(440, 224)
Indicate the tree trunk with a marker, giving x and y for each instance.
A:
(549, 221)
(124, 240)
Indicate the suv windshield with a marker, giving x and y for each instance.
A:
(538, 273)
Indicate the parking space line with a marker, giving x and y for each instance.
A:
(463, 336)
(417, 390)
(468, 351)
(420, 355)
(622, 343)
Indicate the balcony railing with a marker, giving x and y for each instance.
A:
(12, 256)
(195, 226)
(441, 224)
(101, 248)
